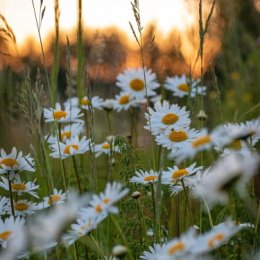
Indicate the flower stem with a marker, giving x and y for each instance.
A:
(177, 215)
(143, 231)
(154, 212)
(188, 201)
(208, 211)
(77, 174)
(122, 236)
(109, 122)
(86, 123)
(100, 250)
(75, 255)
(11, 194)
(62, 161)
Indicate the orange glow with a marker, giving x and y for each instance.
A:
(174, 23)
(168, 14)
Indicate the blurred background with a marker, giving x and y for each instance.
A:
(171, 40)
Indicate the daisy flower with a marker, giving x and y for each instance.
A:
(71, 147)
(81, 228)
(22, 208)
(252, 128)
(145, 177)
(15, 162)
(107, 147)
(67, 132)
(47, 226)
(102, 204)
(108, 104)
(181, 86)
(235, 144)
(154, 252)
(177, 139)
(203, 141)
(177, 188)
(172, 175)
(21, 187)
(95, 102)
(231, 170)
(190, 182)
(9, 228)
(56, 198)
(57, 114)
(242, 136)
(218, 236)
(124, 101)
(166, 117)
(179, 247)
(132, 82)
(3, 205)
(14, 247)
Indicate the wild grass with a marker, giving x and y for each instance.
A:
(149, 213)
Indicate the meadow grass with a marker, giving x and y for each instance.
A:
(148, 212)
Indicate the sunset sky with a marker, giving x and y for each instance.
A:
(168, 14)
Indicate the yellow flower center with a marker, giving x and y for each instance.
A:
(179, 246)
(59, 114)
(124, 100)
(216, 238)
(9, 162)
(67, 148)
(54, 198)
(21, 206)
(201, 141)
(169, 119)
(98, 208)
(106, 200)
(65, 135)
(236, 145)
(137, 84)
(150, 178)
(184, 87)
(85, 102)
(106, 146)
(18, 186)
(179, 173)
(5, 235)
(178, 136)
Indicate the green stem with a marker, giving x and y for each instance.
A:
(109, 125)
(11, 194)
(143, 231)
(257, 218)
(188, 202)
(122, 236)
(62, 161)
(132, 125)
(77, 174)
(208, 211)
(80, 53)
(55, 69)
(75, 254)
(256, 225)
(154, 212)
(86, 123)
(100, 250)
(178, 215)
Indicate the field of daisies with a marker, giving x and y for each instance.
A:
(175, 177)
